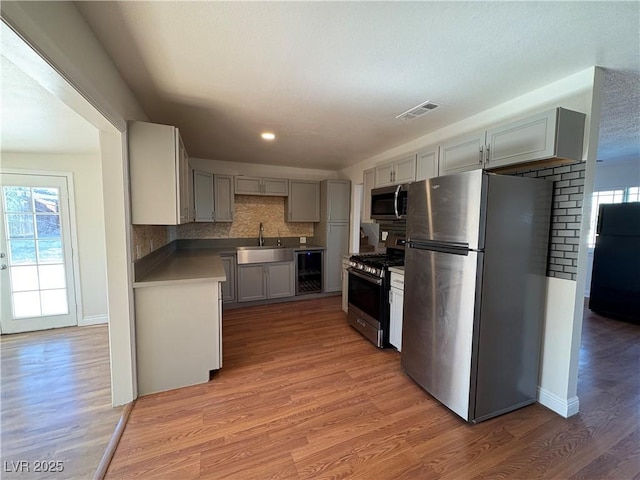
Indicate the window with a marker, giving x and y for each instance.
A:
(631, 194)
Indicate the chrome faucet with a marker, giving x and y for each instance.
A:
(261, 236)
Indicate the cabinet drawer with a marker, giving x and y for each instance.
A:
(397, 280)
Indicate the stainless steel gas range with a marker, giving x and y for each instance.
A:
(369, 291)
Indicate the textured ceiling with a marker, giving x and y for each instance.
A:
(619, 137)
(34, 121)
(330, 77)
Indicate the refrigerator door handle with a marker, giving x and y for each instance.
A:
(395, 200)
(454, 248)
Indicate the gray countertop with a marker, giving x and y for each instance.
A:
(185, 266)
(190, 265)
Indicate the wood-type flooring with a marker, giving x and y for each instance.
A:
(56, 403)
(301, 395)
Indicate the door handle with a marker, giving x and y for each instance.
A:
(3, 267)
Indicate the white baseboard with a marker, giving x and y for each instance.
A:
(93, 320)
(563, 407)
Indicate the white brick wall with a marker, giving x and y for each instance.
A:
(566, 216)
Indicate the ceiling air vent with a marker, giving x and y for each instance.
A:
(418, 110)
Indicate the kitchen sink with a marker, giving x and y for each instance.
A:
(264, 254)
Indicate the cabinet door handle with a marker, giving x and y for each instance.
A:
(390, 296)
(481, 154)
(488, 155)
(213, 215)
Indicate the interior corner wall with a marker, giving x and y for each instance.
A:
(89, 208)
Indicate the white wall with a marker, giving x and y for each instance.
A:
(611, 175)
(563, 320)
(59, 34)
(257, 170)
(89, 208)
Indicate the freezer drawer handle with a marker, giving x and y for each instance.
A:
(461, 249)
(361, 322)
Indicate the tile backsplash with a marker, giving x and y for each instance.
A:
(249, 211)
(147, 238)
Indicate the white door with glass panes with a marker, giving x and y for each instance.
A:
(36, 276)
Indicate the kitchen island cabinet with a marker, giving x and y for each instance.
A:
(179, 321)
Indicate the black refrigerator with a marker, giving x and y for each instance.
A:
(615, 279)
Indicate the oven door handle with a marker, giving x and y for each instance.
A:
(353, 271)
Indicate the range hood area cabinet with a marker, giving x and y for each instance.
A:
(402, 170)
(275, 187)
(554, 134)
(213, 197)
(303, 201)
(160, 175)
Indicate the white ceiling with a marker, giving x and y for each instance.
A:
(330, 77)
(35, 121)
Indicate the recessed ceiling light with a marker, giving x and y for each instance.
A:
(269, 136)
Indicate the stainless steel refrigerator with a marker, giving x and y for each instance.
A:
(475, 264)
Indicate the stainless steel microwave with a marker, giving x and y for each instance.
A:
(389, 203)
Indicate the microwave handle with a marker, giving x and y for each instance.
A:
(395, 201)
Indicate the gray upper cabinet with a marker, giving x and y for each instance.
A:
(303, 202)
(223, 198)
(213, 197)
(203, 196)
(557, 133)
(276, 187)
(159, 174)
(427, 163)
(462, 153)
(335, 199)
(401, 170)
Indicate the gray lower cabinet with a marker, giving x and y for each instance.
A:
(337, 246)
(280, 280)
(261, 281)
(335, 238)
(229, 287)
